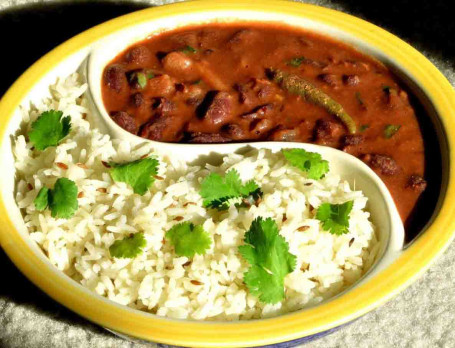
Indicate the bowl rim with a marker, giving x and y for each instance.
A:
(413, 262)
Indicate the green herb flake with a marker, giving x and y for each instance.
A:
(189, 239)
(390, 130)
(389, 90)
(309, 162)
(364, 127)
(138, 174)
(295, 62)
(150, 74)
(49, 129)
(188, 50)
(335, 217)
(359, 98)
(218, 191)
(42, 199)
(128, 247)
(270, 261)
(141, 79)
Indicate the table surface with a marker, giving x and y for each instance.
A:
(421, 316)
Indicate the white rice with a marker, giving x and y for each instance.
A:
(158, 281)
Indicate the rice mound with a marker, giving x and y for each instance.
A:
(207, 287)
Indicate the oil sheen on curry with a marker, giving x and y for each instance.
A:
(224, 83)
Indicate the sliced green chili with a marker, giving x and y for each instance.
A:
(296, 85)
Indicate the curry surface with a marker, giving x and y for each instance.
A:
(208, 84)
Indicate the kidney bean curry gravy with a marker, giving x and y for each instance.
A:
(222, 83)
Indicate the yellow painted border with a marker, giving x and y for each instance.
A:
(351, 305)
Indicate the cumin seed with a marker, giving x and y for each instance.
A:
(82, 165)
(351, 241)
(102, 189)
(196, 282)
(61, 165)
(80, 194)
(106, 164)
(303, 228)
(157, 177)
(305, 267)
(178, 218)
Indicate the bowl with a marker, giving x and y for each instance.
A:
(388, 278)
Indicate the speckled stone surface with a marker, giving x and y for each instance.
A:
(421, 316)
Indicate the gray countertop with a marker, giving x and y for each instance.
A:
(421, 316)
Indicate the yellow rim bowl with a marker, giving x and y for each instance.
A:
(350, 305)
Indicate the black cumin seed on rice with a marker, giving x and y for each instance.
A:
(351, 241)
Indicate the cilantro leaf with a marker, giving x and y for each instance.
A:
(268, 254)
(42, 199)
(49, 129)
(63, 199)
(141, 79)
(128, 247)
(297, 61)
(138, 174)
(189, 239)
(364, 127)
(390, 130)
(188, 49)
(335, 217)
(359, 98)
(217, 191)
(389, 90)
(310, 162)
